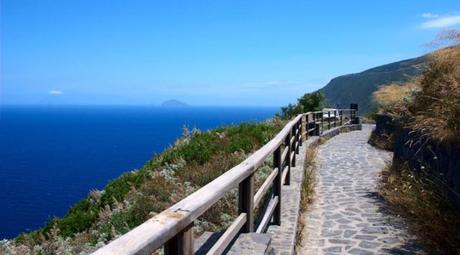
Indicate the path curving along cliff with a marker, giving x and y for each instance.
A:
(348, 216)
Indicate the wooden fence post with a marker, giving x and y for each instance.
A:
(317, 131)
(287, 181)
(277, 184)
(180, 244)
(246, 202)
(322, 123)
(301, 130)
(335, 118)
(312, 125)
(297, 137)
(293, 144)
(341, 117)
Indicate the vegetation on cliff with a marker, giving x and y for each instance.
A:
(194, 160)
(309, 102)
(428, 108)
(430, 216)
(430, 103)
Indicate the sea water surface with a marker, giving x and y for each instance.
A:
(51, 157)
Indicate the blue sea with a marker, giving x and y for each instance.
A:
(51, 157)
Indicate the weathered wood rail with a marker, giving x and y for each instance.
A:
(173, 228)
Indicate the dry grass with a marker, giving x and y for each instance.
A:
(322, 140)
(430, 107)
(436, 109)
(384, 141)
(366, 120)
(413, 196)
(394, 99)
(430, 104)
(307, 191)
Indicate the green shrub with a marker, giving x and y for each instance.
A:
(118, 188)
(372, 115)
(309, 102)
(120, 223)
(80, 217)
(200, 148)
(248, 136)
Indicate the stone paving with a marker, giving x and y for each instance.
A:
(348, 216)
(284, 237)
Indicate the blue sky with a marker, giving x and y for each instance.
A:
(263, 53)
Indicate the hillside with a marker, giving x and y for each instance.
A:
(190, 163)
(358, 87)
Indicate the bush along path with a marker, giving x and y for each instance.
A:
(348, 216)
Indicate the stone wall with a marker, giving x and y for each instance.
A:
(384, 125)
(441, 161)
(382, 136)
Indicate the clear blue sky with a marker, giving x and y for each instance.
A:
(202, 52)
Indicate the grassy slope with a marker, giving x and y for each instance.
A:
(429, 215)
(358, 87)
(430, 108)
(196, 159)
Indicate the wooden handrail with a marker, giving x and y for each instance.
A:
(173, 227)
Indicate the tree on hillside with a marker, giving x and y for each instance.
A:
(308, 102)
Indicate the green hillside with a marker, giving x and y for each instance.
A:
(190, 163)
(358, 87)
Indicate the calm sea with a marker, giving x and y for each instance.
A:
(50, 157)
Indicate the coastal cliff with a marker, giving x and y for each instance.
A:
(194, 160)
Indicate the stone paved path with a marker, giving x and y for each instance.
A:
(347, 216)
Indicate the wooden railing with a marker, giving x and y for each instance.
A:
(173, 228)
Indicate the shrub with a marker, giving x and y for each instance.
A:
(372, 115)
(200, 148)
(436, 108)
(120, 223)
(415, 197)
(307, 103)
(382, 141)
(117, 189)
(80, 217)
(249, 136)
(429, 105)
(394, 99)
(200, 175)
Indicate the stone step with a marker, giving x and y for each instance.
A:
(251, 244)
(245, 244)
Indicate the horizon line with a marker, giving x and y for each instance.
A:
(134, 105)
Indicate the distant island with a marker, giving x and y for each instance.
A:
(174, 103)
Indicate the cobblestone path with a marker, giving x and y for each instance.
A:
(348, 216)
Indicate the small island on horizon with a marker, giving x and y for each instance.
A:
(174, 103)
